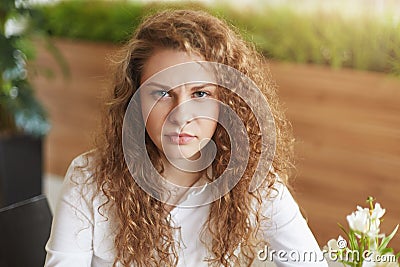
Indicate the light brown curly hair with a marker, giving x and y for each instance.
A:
(144, 236)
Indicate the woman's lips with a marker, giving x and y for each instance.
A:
(180, 139)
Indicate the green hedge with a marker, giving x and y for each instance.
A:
(366, 42)
(97, 21)
(109, 21)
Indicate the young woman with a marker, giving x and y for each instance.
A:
(119, 209)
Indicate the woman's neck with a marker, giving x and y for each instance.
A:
(179, 176)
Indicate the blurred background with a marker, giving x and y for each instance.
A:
(337, 65)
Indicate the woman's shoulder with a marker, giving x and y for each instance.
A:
(83, 165)
(276, 189)
(81, 171)
(282, 198)
(278, 202)
(79, 189)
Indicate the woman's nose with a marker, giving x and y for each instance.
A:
(183, 112)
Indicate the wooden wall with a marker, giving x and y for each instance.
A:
(346, 123)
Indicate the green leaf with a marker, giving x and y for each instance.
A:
(387, 239)
(7, 5)
(343, 229)
(7, 48)
(386, 250)
(348, 263)
(353, 240)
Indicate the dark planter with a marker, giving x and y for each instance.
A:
(20, 168)
(25, 230)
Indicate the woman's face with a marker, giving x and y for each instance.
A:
(181, 120)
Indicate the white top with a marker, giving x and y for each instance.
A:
(80, 236)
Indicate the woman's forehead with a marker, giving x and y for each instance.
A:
(163, 58)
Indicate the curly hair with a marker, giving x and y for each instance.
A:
(144, 236)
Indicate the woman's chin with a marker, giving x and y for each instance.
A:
(182, 153)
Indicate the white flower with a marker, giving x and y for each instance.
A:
(377, 212)
(332, 245)
(388, 264)
(373, 231)
(373, 245)
(369, 264)
(359, 220)
(333, 249)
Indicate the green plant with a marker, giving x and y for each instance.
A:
(366, 246)
(366, 41)
(110, 21)
(20, 111)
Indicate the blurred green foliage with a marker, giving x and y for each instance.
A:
(367, 42)
(20, 111)
(98, 21)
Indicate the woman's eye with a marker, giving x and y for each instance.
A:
(201, 94)
(160, 93)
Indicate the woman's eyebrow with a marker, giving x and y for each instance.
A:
(157, 85)
(198, 86)
(201, 86)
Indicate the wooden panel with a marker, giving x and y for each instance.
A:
(347, 126)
